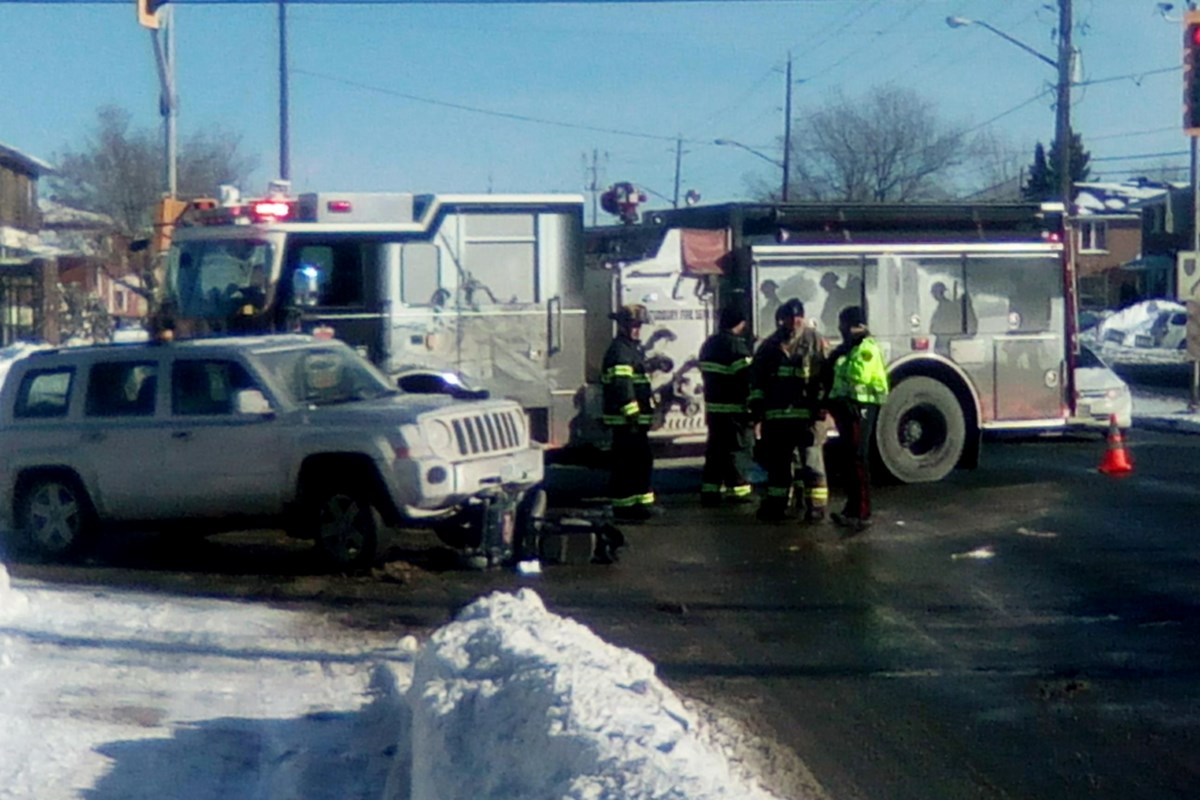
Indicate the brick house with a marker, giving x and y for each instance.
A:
(1109, 243)
(43, 245)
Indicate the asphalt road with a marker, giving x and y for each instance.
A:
(1024, 630)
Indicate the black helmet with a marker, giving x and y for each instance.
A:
(790, 310)
(635, 314)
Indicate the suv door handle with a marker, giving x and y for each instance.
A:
(94, 436)
(182, 435)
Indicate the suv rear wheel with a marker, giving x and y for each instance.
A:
(55, 516)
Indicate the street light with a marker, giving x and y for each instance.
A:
(962, 22)
(781, 165)
(1062, 121)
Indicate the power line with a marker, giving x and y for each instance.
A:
(492, 112)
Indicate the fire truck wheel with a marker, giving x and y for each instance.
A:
(921, 431)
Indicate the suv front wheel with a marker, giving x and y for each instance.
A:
(55, 516)
(345, 526)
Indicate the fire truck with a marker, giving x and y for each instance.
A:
(972, 305)
(440, 291)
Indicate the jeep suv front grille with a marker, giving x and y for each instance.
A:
(490, 432)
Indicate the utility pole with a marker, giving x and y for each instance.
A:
(787, 132)
(1062, 120)
(593, 186)
(678, 160)
(285, 156)
(162, 36)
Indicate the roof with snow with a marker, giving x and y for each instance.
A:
(21, 162)
(1117, 199)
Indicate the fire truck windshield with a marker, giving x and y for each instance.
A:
(212, 279)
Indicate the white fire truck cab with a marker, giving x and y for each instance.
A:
(484, 288)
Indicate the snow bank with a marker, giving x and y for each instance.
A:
(510, 700)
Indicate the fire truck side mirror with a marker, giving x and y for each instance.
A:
(306, 290)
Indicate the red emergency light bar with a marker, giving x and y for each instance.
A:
(272, 209)
(339, 207)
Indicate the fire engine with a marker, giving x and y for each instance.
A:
(972, 305)
(479, 289)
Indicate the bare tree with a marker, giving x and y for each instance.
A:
(887, 146)
(997, 171)
(118, 169)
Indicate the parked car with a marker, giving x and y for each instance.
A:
(222, 434)
(1100, 393)
(1165, 330)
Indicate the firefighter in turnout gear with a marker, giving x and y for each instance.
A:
(725, 366)
(785, 407)
(628, 414)
(858, 385)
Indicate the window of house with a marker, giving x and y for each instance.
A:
(121, 389)
(118, 300)
(44, 393)
(1093, 235)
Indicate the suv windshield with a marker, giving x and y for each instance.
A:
(325, 375)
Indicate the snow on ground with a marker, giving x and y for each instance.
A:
(113, 695)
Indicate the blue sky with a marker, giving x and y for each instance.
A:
(703, 70)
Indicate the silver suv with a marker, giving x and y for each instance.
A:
(226, 434)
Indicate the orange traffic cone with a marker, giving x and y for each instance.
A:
(1116, 459)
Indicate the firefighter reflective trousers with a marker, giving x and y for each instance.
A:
(632, 467)
(725, 456)
(795, 464)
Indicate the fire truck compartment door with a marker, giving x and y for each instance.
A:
(1028, 381)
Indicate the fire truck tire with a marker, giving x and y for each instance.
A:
(921, 431)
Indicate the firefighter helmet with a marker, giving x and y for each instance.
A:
(634, 314)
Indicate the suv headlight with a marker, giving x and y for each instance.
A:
(440, 438)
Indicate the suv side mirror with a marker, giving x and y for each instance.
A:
(251, 401)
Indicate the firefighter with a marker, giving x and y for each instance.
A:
(725, 366)
(627, 413)
(784, 404)
(857, 386)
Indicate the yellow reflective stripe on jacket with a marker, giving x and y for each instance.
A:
(724, 369)
(630, 408)
(725, 408)
(788, 413)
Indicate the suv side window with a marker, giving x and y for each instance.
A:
(201, 388)
(121, 389)
(44, 393)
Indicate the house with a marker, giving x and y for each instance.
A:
(28, 282)
(1167, 230)
(1108, 242)
(45, 245)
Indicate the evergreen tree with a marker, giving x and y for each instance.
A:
(1040, 185)
(1044, 175)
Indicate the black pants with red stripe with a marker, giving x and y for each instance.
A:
(856, 427)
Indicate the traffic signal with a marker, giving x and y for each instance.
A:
(147, 11)
(1191, 73)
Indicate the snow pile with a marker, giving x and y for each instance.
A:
(535, 705)
(107, 693)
